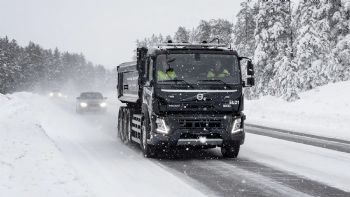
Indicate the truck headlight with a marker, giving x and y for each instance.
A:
(83, 105)
(103, 104)
(161, 126)
(237, 126)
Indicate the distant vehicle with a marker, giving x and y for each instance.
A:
(57, 94)
(91, 102)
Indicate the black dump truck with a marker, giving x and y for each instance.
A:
(181, 94)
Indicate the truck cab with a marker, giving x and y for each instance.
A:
(184, 95)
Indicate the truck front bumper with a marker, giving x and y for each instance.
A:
(199, 130)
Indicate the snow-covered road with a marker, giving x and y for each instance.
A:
(86, 151)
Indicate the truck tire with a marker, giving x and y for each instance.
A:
(127, 126)
(120, 123)
(147, 150)
(230, 150)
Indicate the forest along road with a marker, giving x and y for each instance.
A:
(265, 167)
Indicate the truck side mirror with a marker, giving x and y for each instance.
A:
(250, 81)
(250, 68)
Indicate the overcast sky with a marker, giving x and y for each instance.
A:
(105, 31)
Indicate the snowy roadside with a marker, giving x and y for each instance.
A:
(325, 166)
(31, 164)
(324, 111)
(68, 153)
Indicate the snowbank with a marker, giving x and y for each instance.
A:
(325, 166)
(323, 111)
(31, 164)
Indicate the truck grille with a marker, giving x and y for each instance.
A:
(194, 124)
(199, 107)
(196, 136)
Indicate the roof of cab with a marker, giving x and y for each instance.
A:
(190, 46)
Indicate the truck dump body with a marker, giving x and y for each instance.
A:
(128, 83)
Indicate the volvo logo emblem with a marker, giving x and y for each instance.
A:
(200, 97)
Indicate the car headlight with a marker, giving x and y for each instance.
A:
(161, 126)
(83, 104)
(51, 94)
(59, 94)
(103, 104)
(237, 126)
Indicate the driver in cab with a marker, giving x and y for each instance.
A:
(166, 73)
(218, 71)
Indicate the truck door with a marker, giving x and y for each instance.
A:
(148, 87)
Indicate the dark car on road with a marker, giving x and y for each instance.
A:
(91, 102)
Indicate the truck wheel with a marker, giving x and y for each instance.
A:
(127, 129)
(230, 150)
(120, 123)
(147, 150)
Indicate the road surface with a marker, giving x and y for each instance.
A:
(267, 165)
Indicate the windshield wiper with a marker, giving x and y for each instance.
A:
(214, 80)
(178, 80)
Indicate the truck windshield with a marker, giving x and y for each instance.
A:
(198, 68)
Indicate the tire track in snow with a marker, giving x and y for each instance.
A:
(242, 177)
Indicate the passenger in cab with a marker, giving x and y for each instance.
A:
(218, 71)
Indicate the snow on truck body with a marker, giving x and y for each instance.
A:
(175, 97)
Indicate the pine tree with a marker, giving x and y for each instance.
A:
(244, 28)
(312, 44)
(339, 68)
(8, 65)
(271, 39)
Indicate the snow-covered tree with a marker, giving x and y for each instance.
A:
(222, 29)
(272, 35)
(244, 27)
(313, 43)
(182, 35)
(339, 68)
(203, 32)
(9, 68)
